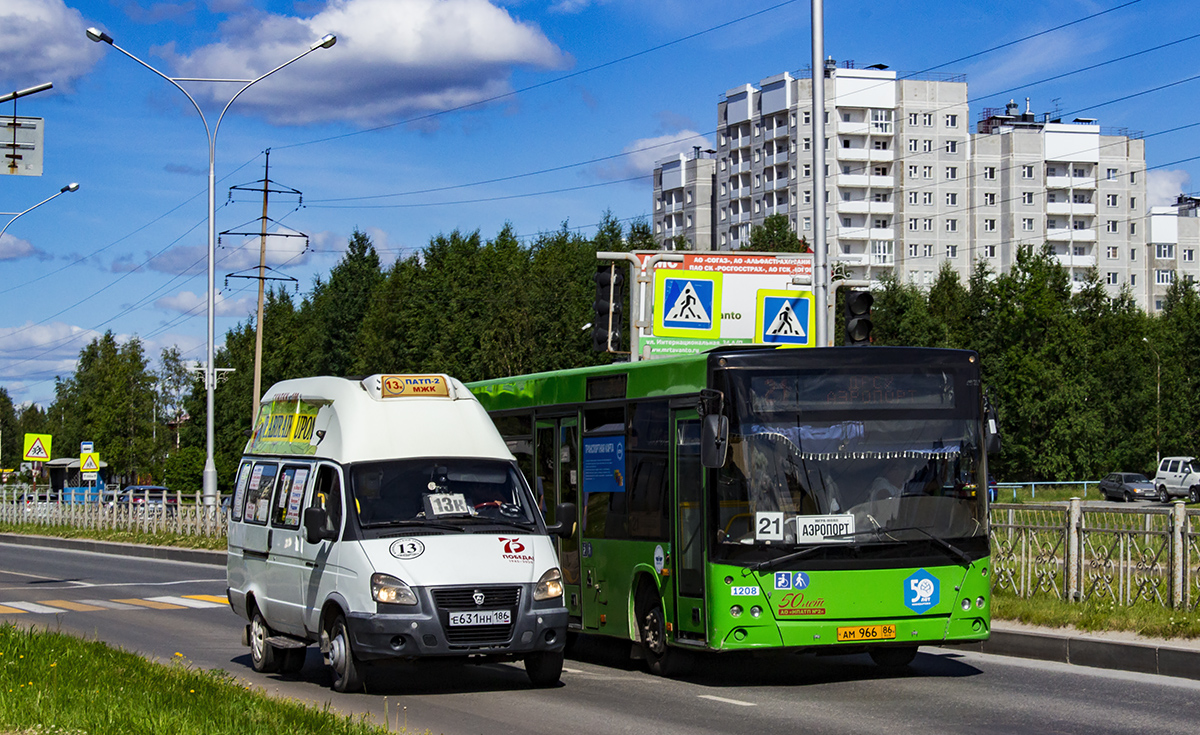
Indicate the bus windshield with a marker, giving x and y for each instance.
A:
(441, 493)
(835, 459)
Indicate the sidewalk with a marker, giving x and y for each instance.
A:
(1117, 650)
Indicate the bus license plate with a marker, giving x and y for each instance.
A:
(481, 617)
(867, 633)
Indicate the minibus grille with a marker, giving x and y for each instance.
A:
(463, 598)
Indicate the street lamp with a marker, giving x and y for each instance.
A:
(69, 187)
(210, 373)
(1158, 407)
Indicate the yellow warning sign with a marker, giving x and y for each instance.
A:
(89, 462)
(37, 447)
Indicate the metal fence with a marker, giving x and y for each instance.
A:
(1127, 556)
(186, 516)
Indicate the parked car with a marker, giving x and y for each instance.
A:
(1127, 486)
(148, 498)
(1178, 477)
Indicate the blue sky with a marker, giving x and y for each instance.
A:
(563, 87)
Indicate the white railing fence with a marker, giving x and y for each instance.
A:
(187, 516)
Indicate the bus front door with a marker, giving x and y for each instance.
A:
(556, 461)
(688, 559)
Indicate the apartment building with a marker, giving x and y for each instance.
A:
(684, 206)
(1173, 242)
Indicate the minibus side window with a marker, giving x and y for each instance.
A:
(258, 493)
(328, 495)
(289, 496)
(239, 495)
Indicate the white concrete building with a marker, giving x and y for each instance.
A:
(1172, 248)
(683, 199)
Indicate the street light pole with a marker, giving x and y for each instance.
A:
(210, 373)
(1158, 406)
(69, 187)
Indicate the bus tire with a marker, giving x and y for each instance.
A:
(343, 664)
(544, 667)
(652, 626)
(895, 658)
(263, 656)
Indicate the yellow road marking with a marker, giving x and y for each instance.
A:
(5, 610)
(69, 605)
(151, 603)
(209, 598)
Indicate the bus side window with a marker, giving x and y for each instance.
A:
(327, 494)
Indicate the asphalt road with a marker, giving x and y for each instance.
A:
(603, 690)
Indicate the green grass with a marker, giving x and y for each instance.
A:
(1149, 619)
(56, 683)
(1047, 493)
(130, 537)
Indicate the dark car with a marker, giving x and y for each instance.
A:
(153, 498)
(1126, 486)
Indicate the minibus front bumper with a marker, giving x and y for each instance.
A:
(396, 631)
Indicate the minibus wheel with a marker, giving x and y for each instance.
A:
(262, 654)
(291, 660)
(347, 671)
(544, 667)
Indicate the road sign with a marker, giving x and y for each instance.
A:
(21, 140)
(785, 318)
(89, 462)
(689, 304)
(37, 447)
(85, 447)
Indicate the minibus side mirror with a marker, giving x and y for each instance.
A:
(565, 526)
(316, 521)
(714, 440)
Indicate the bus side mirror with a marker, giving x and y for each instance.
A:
(565, 525)
(992, 429)
(316, 521)
(714, 440)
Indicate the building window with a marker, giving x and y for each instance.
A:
(845, 221)
(807, 117)
(1133, 177)
(989, 225)
(881, 196)
(1027, 224)
(1051, 197)
(927, 225)
(951, 225)
(1111, 174)
(1079, 224)
(881, 171)
(1052, 171)
(808, 197)
(912, 118)
(882, 252)
(912, 250)
(1164, 278)
(1133, 228)
(881, 121)
(1133, 202)
(952, 146)
(1079, 173)
(912, 172)
(808, 223)
(989, 251)
(880, 145)
(952, 121)
(927, 119)
(806, 144)
(989, 172)
(912, 197)
(1079, 250)
(1113, 252)
(1111, 278)
(927, 197)
(1110, 200)
(1051, 224)
(1027, 197)
(1189, 255)
(989, 199)
(1133, 255)
(951, 251)
(951, 199)
(927, 146)
(951, 172)
(1164, 251)
(927, 172)
(1027, 172)
(1110, 226)
(912, 145)
(807, 170)
(882, 223)
(1132, 279)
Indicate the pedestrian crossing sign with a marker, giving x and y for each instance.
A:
(89, 462)
(687, 304)
(37, 447)
(785, 318)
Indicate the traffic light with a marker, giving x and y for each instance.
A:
(858, 317)
(609, 308)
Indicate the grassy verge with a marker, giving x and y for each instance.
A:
(1149, 619)
(129, 537)
(53, 682)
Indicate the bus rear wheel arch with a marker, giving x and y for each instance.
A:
(661, 659)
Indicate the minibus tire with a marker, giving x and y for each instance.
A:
(343, 664)
(263, 656)
(291, 660)
(544, 667)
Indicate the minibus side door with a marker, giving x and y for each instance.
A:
(285, 561)
(255, 542)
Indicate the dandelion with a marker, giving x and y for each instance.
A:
(177, 653)
(54, 664)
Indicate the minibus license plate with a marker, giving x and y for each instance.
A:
(481, 617)
(867, 633)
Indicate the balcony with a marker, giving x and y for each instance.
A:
(1069, 208)
(878, 155)
(854, 154)
(882, 182)
(853, 128)
(851, 258)
(1085, 235)
(1058, 208)
(1058, 182)
(1083, 182)
(854, 233)
(854, 206)
(882, 233)
(883, 208)
(861, 180)
(781, 208)
(780, 183)
(1059, 234)
(1076, 261)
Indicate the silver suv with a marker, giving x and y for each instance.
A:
(1178, 476)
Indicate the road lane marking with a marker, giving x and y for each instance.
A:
(6, 610)
(183, 602)
(151, 603)
(222, 600)
(109, 604)
(70, 605)
(738, 702)
(33, 607)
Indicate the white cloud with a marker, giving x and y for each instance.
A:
(14, 248)
(186, 302)
(644, 153)
(392, 58)
(1163, 186)
(31, 356)
(43, 41)
(235, 253)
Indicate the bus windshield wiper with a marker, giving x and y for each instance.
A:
(941, 543)
(760, 566)
(415, 523)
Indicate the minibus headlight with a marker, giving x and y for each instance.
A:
(549, 586)
(386, 588)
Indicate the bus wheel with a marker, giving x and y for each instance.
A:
(659, 657)
(544, 667)
(262, 654)
(347, 671)
(893, 659)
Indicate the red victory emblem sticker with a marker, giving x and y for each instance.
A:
(514, 551)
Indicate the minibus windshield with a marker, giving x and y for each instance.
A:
(444, 493)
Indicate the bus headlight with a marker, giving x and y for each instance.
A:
(386, 588)
(966, 603)
(979, 602)
(735, 611)
(549, 586)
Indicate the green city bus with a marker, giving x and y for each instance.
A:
(759, 498)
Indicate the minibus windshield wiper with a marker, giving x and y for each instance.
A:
(416, 524)
(485, 521)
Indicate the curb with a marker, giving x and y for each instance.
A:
(167, 553)
(1140, 658)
